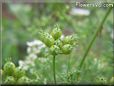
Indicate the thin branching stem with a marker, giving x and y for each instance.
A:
(94, 37)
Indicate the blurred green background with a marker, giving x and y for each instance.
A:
(21, 22)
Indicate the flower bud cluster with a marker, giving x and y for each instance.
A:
(54, 42)
(12, 74)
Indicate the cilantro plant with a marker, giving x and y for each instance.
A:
(56, 45)
(14, 75)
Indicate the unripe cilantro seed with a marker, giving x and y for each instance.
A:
(24, 80)
(56, 33)
(19, 73)
(9, 80)
(66, 49)
(9, 68)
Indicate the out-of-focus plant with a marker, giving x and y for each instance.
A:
(14, 75)
(93, 39)
(34, 50)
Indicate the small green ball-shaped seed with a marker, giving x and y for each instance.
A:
(9, 68)
(67, 48)
(54, 50)
(67, 40)
(9, 80)
(70, 39)
(19, 73)
(49, 41)
(24, 80)
(59, 43)
(56, 33)
(41, 35)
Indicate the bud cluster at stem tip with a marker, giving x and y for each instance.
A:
(12, 74)
(54, 42)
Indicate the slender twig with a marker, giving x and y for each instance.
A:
(94, 37)
(54, 76)
(91, 42)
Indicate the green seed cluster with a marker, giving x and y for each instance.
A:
(54, 42)
(12, 74)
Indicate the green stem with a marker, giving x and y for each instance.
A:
(94, 37)
(68, 66)
(54, 76)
